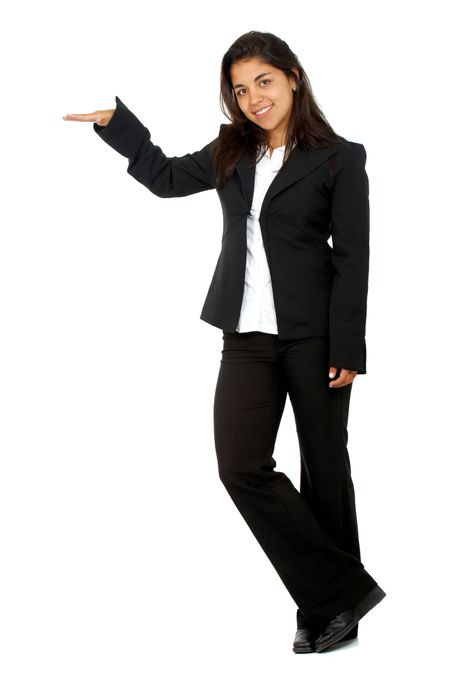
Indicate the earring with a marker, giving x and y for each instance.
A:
(294, 89)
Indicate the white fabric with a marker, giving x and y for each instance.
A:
(258, 310)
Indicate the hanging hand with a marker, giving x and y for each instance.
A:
(345, 377)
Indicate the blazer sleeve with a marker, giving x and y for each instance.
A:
(147, 163)
(350, 225)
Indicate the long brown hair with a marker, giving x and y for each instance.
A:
(307, 126)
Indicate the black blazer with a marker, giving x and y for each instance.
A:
(318, 289)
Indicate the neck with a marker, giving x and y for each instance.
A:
(278, 140)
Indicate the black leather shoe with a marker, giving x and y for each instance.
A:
(345, 621)
(304, 638)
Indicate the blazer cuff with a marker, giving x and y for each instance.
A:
(348, 352)
(124, 132)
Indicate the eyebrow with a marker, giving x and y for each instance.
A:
(258, 77)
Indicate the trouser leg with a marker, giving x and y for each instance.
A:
(321, 417)
(249, 401)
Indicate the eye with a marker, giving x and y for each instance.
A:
(264, 81)
(239, 92)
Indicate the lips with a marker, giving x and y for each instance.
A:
(263, 111)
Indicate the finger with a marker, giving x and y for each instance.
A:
(332, 371)
(81, 117)
(344, 379)
(339, 382)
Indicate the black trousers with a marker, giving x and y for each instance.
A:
(309, 535)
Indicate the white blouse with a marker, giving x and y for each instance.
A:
(258, 310)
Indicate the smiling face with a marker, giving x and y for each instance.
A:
(264, 94)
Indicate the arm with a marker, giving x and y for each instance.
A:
(164, 176)
(350, 224)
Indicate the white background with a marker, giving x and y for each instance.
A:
(121, 551)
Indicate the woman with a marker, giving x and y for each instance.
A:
(292, 310)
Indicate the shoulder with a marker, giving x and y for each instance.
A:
(221, 135)
(350, 149)
(349, 158)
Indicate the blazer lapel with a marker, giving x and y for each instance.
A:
(300, 163)
(247, 175)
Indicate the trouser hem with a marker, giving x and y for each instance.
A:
(345, 597)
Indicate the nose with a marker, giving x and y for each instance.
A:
(255, 97)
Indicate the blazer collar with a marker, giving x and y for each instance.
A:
(300, 163)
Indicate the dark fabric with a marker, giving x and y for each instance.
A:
(309, 534)
(318, 289)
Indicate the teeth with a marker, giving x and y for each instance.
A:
(259, 112)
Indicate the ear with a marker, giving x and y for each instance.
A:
(296, 74)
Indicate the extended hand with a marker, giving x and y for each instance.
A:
(345, 377)
(102, 117)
